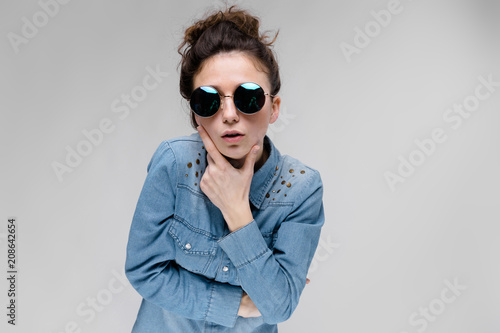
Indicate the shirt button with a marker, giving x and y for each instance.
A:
(225, 268)
(188, 246)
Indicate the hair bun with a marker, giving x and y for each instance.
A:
(243, 21)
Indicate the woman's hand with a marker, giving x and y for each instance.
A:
(227, 187)
(247, 307)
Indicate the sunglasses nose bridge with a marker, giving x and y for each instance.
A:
(223, 98)
(228, 112)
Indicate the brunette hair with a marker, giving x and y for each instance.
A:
(231, 30)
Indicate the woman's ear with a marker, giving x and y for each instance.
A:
(275, 109)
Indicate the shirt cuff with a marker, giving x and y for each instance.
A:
(244, 245)
(224, 304)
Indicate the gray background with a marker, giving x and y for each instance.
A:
(384, 255)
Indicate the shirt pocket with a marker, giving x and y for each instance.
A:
(195, 248)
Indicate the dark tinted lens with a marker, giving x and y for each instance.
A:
(205, 101)
(249, 98)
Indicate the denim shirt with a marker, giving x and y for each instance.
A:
(191, 271)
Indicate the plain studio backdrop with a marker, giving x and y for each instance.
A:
(396, 103)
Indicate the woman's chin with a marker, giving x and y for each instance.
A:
(234, 154)
(235, 159)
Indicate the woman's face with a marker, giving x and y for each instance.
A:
(225, 72)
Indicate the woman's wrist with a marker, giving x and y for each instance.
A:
(238, 218)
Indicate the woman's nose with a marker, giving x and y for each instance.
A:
(229, 110)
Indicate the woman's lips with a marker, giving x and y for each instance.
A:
(233, 138)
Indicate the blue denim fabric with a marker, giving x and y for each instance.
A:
(191, 271)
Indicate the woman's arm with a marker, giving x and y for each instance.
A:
(274, 280)
(150, 267)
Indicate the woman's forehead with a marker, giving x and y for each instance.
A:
(229, 69)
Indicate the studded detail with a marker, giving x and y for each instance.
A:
(186, 174)
(190, 164)
(285, 181)
(197, 161)
(195, 184)
(196, 174)
(187, 246)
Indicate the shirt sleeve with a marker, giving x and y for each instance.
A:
(274, 280)
(150, 265)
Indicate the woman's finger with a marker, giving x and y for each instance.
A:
(210, 160)
(210, 146)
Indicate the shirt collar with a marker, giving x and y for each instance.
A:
(262, 179)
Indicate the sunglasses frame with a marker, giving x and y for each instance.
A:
(222, 97)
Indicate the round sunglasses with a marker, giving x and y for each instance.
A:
(249, 98)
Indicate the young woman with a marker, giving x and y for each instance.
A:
(225, 227)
